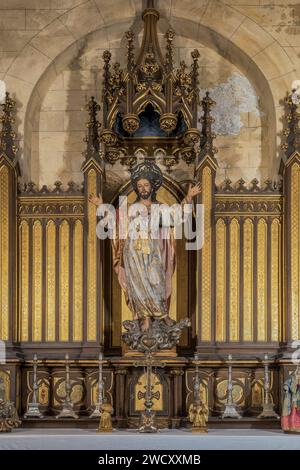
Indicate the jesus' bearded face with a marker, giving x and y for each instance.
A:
(144, 188)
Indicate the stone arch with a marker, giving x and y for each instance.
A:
(219, 26)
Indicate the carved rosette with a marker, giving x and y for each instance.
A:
(108, 137)
(192, 137)
(188, 155)
(170, 160)
(168, 122)
(131, 123)
(112, 155)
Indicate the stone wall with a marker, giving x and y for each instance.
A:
(50, 58)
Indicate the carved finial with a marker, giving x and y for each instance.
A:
(44, 189)
(195, 73)
(207, 136)
(57, 187)
(72, 187)
(7, 135)
(269, 185)
(240, 185)
(226, 186)
(292, 131)
(31, 188)
(278, 185)
(106, 56)
(255, 185)
(93, 125)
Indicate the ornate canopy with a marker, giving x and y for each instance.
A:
(150, 106)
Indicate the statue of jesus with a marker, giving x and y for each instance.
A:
(145, 265)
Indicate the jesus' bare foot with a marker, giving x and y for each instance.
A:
(168, 321)
(145, 324)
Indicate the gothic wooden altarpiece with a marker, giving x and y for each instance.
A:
(58, 293)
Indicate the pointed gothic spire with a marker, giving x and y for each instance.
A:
(7, 135)
(93, 125)
(195, 85)
(130, 51)
(195, 72)
(169, 50)
(207, 135)
(106, 79)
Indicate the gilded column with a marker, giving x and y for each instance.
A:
(50, 281)
(221, 294)
(92, 267)
(37, 276)
(275, 279)
(248, 280)
(5, 246)
(9, 171)
(205, 173)
(292, 241)
(290, 169)
(261, 276)
(78, 281)
(24, 281)
(234, 280)
(64, 281)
